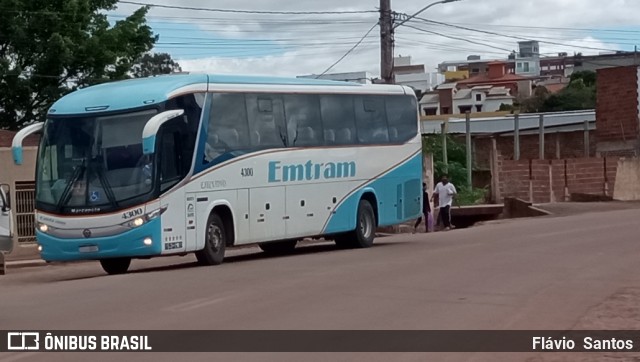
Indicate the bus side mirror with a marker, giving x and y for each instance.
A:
(153, 125)
(16, 144)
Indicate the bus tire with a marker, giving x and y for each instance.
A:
(116, 265)
(279, 247)
(214, 243)
(365, 230)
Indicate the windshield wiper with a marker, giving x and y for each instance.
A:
(71, 180)
(106, 186)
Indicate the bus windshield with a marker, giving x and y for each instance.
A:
(93, 163)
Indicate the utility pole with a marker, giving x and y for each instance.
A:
(386, 42)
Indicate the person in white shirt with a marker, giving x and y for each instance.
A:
(446, 192)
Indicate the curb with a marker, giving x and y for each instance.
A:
(18, 264)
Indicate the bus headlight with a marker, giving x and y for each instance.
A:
(43, 227)
(139, 221)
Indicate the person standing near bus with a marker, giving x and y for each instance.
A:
(426, 211)
(446, 191)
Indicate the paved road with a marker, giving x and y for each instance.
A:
(545, 273)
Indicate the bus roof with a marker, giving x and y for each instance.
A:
(140, 92)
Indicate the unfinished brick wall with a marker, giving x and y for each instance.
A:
(543, 181)
(617, 111)
(571, 146)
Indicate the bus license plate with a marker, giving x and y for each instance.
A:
(88, 249)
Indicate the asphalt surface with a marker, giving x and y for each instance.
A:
(571, 272)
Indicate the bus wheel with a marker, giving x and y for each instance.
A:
(116, 265)
(215, 242)
(365, 230)
(279, 247)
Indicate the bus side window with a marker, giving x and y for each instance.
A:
(371, 119)
(304, 124)
(228, 128)
(266, 121)
(338, 119)
(402, 116)
(171, 162)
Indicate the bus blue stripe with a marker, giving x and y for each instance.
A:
(386, 190)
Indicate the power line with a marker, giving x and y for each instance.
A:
(251, 20)
(456, 38)
(554, 28)
(237, 11)
(349, 51)
(444, 47)
(507, 36)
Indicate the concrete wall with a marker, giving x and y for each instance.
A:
(493, 105)
(627, 180)
(9, 174)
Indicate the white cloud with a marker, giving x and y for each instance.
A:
(310, 43)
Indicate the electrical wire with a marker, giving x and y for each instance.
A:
(505, 35)
(348, 51)
(456, 38)
(236, 11)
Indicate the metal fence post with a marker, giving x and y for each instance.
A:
(444, 147)
(469, 155)
(587, 149)
(516, 137)
(541, 136)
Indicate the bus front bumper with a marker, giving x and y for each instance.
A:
(127, 244)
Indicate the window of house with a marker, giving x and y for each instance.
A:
(526, 66)
(519, 65)
(445, 110)
(430, 111)
(479, 97)
(464, 109)
(479, 108)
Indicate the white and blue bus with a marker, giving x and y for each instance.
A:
(197, 163)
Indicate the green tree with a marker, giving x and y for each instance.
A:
(588, 78)
(49, 48)
(579, 94)
(456, 168)
(456, 157)
(536, 102)
(151, 64)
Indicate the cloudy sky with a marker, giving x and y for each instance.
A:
(247, 42)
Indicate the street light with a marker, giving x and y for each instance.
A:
(423, 9)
